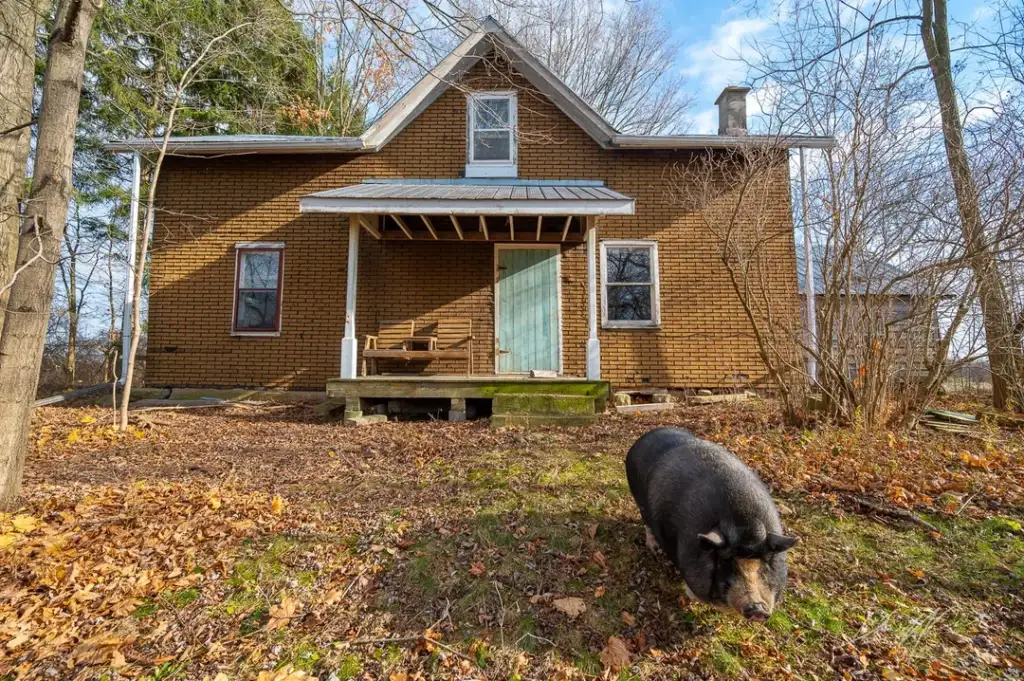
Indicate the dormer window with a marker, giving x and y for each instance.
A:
(491, 151)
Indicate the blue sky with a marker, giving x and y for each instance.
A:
(713, 32)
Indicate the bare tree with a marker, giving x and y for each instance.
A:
(621, 59)
(17, 75)
(360, 67)
(31, 295)
(1005, 360)
(188, 78)
(75, 269)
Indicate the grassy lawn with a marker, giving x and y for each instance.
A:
(269, 541)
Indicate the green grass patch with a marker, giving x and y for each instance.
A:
(181, 598)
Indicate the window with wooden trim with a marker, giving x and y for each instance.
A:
(629, 284)
(258, 284)
(491, 148)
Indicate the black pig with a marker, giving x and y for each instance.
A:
(713, 517)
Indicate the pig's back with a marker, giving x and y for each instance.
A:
(683, 484)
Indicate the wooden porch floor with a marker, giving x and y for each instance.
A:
(515, 400)
(452, 386)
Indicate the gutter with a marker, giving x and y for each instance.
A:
(204, 146)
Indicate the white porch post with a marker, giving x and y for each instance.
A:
(593, 344)
(348, 343)
(129, 290)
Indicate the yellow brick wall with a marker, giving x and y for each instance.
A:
(208, 205)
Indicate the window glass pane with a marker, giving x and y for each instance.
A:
(492, 113)
(629, 303)
(259, 269)
(492, 146)
(256, 310)
(628, 265)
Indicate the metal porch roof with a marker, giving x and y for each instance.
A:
(509, 197)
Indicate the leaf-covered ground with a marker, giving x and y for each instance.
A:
(269, 543)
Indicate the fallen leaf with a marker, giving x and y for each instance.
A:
(426, 644)
(918, 574)
(615, 654)
(277, 504)
(477, 569)
(400, 676)
(117, 659)
(24, 523)
(570, 605)
(281, 615)
(628, 619)
(600, 591)
(592, 530)
(599, 559)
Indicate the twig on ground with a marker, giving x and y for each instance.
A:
(894, 512)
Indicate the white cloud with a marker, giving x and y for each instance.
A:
(714, 63)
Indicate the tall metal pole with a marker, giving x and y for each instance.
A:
(129, 290)
(809, 287)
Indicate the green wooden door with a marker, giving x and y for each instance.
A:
(528, 321)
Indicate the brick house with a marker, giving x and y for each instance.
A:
(489, 195)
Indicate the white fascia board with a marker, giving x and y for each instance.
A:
(315, 204)
(720, 141)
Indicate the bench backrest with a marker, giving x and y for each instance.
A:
(393, 332)
(454, 333)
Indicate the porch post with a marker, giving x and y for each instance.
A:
(593, 344)
(348, 343)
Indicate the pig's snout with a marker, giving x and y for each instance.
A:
(756, 612)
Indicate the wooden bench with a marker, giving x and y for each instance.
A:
(453, 339)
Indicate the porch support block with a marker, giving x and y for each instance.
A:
(593, 344)
(349, 347)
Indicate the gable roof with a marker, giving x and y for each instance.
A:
(489, 37)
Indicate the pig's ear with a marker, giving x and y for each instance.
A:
(777, 543)
(711, 540)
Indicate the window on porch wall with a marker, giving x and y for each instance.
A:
(629, 278)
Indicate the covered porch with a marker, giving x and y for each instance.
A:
(525, 227)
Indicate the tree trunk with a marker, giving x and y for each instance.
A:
(42, 229)
(17, 77)
(72, 355)
(1005, 360)
(109, 352)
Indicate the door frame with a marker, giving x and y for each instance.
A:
(557, 248)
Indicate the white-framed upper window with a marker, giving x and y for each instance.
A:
(259, 283)
(629, 284)
(491, 139)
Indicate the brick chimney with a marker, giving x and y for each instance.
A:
(732, 111)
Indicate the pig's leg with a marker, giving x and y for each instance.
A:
(652, 541)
